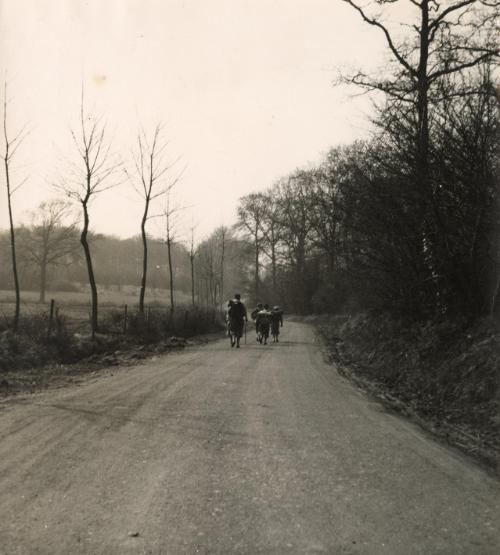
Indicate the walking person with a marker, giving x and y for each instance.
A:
(253, 315)
(263, 323)
(276, 322)
(237, 314)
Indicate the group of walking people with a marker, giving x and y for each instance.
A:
(267, 321)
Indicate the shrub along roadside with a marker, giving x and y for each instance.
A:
(34, 358)
(446, 374)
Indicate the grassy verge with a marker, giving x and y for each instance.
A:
(34, 359)
(445, 375)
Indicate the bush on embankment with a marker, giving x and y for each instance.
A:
(446, 372)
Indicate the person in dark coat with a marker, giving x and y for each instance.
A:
(253, 315)
(237, 314)
(276, 322)
(263, 322)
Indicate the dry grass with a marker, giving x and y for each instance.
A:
(127, 296)
(74, 307)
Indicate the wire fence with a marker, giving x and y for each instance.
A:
(112, 318)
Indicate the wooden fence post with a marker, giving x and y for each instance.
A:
(125, 319)
(51, 317)
(58, 321)
(90, 322)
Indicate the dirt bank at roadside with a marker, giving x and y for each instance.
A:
(444, 375)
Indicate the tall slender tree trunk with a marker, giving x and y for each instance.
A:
(191, 259)
(17, 310)
(208, 293)
(273, 268)
(493, 306)
(257, 277)
(213, 299)
(423, 103)
(257, 263)
(424, 194)
(90, 269)
(300, 282)
(223, 252)
(142, 293)
(273, 260)
(12, 244)
(43, 280)
(170, 272)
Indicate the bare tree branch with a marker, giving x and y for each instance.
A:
(376, 23)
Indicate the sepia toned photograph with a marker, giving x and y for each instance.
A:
(249, 277)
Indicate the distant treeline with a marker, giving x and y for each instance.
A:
(358, 230)
(52, 260)
(117, 261)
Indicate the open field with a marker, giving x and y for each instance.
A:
(74, 307)
(107, 296)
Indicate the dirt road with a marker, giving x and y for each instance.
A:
(218, 450)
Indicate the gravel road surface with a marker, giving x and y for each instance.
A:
(263, 449)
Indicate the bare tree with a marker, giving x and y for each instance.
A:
(251, 214)
(171, 214)
(48, 241)
(272, 235)
(206, 264)
(223, 263)
(295, 198)
(90, 177)
(151, 169)
(447, 39)
(192, 256)
(223, 240)
(10, 147)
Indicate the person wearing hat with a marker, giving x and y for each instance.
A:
(253, 315)
(237, 314)
(263, 323)
(276, 322)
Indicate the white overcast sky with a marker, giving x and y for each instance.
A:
(244, 88)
